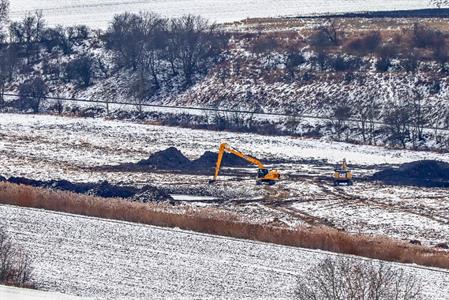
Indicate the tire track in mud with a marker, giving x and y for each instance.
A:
(282, 204)
(339, 198)
(341, 193)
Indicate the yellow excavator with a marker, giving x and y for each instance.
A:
(342, 174)
(264, 176)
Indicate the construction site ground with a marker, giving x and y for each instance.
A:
(43, 147)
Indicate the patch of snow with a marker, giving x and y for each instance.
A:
(13, 293)
(190, 198)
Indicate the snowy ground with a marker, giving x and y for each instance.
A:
(117, 260)
(50, 147)
(99, 13)
(13, 293)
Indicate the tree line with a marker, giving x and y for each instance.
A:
(154, 49)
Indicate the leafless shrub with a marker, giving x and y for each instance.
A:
(365, 44)
(264, 44)
(350, 279)
(326, 35)
(424, 37)
(15, 264)
(293, 61)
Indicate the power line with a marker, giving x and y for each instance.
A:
(218, 110)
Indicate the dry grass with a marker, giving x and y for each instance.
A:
(214, 221)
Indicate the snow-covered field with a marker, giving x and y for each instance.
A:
(99, 13)
(117, 260)
(13, 293)
(50, 147)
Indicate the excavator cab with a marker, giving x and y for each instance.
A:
(342, 174)
(264, 176)
(261, 173)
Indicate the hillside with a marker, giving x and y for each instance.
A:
(379, 81)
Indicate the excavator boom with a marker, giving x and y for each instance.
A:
(263, 174)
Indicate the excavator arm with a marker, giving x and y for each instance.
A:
(272, 175)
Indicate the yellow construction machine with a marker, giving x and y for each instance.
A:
(342, 174)
(264, 176)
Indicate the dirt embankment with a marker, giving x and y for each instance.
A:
(101, 189)
(425, 173)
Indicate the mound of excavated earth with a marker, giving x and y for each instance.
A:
(209, 159)
(171, 159)
(168, 159)
(102, 189)
(429, 173)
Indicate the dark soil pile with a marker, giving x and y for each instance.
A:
(168, 159)
(427, 173)
(209, 160)
(102, 189)
(173, 159)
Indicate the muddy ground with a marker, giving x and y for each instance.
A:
(95, 151)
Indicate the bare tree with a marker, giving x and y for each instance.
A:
(140, 90)
(155, 45)
(8, 65)
(366, 110)
(193, 42)
(187, 42)
(418, 116)
(32, 92)
(398, 120)
(4, 17)
(126, 37)
(350, 279)
(326, 35)
(340, 115)
(3, 74)
(28, 32)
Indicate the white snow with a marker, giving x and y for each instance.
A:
(98, 13)
(108, 259)
(191, 198)
(125, 142)
(13, 293)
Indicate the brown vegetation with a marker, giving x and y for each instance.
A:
(214, 221)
